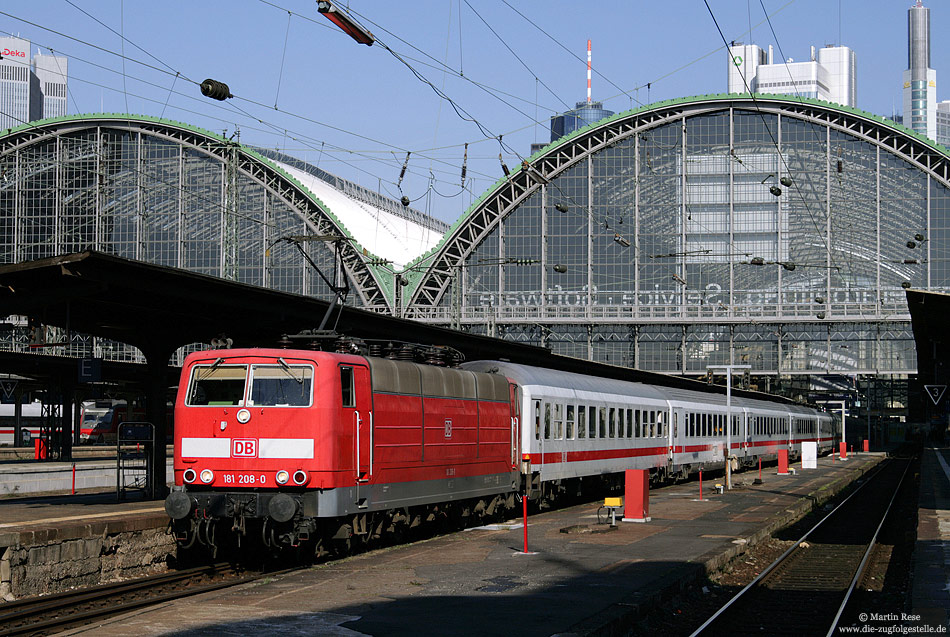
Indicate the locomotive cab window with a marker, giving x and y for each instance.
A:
(281, 385)
(217, 384)
(347, 386)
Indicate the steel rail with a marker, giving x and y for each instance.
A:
(62, 602)
(867, 554)
(771, 567)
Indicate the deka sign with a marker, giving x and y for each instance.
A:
(12, 53)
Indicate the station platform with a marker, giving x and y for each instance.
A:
(579, 577)
(91, 469)
(930, 594)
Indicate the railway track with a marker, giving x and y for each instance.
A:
(806, 590)
(52, 613)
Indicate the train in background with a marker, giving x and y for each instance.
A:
(301, 448)
(34, 416)
(99, 420)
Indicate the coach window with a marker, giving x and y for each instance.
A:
(660, 424)
(581, 421)
(612, 424)
(547, 421)
(629, 423)
(537, 420)
(602, 423)
(346, 383)
(591, 422)
(569, 423)
(558, 421)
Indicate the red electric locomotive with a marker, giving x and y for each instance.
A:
(305, 445)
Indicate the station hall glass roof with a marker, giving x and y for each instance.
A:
(776, 232)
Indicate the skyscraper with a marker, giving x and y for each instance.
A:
(30, 88)
(920, 81)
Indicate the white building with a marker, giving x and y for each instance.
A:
(920, 81)
(829, 75)
(31, 88)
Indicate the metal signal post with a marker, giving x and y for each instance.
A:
(728, 456)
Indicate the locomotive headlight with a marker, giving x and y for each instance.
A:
(301, 477)
(282, 477)
(207, 475)
(189, 475)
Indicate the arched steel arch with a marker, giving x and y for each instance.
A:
(235, 158)
(507, 194)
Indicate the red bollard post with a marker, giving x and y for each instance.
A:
(524, 509)
(700, 484)
(74, 479)
(783, 462)
(843, 450)
(636, 500)
(866, 445)
(760, 467)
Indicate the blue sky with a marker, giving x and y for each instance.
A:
(356, 110)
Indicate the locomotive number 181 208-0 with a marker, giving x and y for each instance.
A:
(244, 478)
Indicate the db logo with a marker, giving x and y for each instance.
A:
(244, 448)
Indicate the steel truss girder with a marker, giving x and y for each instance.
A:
(521, 185)
(252, 167)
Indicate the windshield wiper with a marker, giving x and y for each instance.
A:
(283, 364)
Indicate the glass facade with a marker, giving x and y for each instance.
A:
(715, 234)
(171, 197)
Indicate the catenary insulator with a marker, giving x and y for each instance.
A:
(215, 90)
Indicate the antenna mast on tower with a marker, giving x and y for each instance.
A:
(588, 71)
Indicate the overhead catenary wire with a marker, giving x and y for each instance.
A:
(516, 56)
(283, 57)
(319, 144)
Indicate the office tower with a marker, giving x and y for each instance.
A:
(829, 75)
(920, 81)
(31, 88)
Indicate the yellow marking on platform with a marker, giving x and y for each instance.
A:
(80, 517)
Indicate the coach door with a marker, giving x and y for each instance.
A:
(515, 434)
(358, 414)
